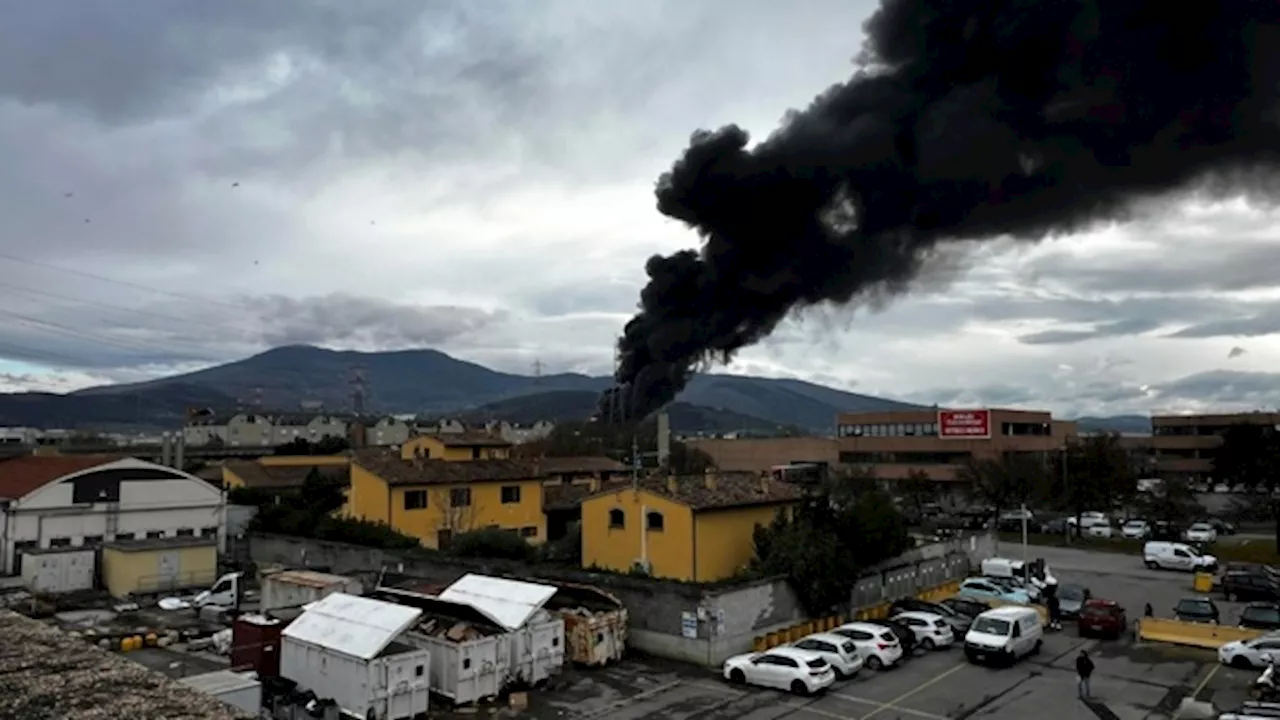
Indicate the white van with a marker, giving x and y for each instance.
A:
(1004, 635)
(1017, 570)
(1160, 555)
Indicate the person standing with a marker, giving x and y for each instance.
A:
(1055, 610)
(1084, 669)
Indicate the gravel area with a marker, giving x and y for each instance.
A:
(46, 674)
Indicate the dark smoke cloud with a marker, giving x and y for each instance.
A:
(965, 121)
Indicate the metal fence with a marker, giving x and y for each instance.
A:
(923, 568)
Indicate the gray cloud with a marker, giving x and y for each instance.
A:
(363, 322)
(1129, 326)
(1236, 352)
(1226, 389)
(1266, 322)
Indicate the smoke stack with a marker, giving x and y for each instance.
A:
(179, 451)
(166, 449)
(964, 121)
(664, 439)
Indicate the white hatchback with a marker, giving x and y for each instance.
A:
(1201, 533)
(783, 668)
(932, 631)
(877, 645)
(835, 649)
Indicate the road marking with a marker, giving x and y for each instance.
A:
(886, 706)
(1207, 677)
(847, 698)
(893, 704)
(801, 707)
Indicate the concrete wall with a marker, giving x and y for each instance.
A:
(727, 619)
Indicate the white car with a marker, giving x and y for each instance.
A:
(1098, 530)
(1222, 488)
(835, 649)
(1136, 529)
(877, 645)
(1200, 532)
(1248, 653)
(932, 631)
(783, 668)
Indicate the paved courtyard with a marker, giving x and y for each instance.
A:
(1133, 681)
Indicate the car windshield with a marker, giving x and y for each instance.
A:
(1070, 592)
(1195, 606)
(1200, 527)
(991, 626)
(1135, 523)
(1262, 614)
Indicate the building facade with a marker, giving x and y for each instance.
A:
(938, 443)
(1184, 445)
(87, 500)
(760, 454)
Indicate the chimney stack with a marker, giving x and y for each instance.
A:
(166, 449)
(179, 451)
(664, 439)
(709, 478)
(765, 481)
(673, 485)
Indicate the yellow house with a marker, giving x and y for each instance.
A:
(455, 447)
(692, 528)
(277, 478)
(433, 500)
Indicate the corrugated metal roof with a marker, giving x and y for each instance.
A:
(351, 625)
(510, 602)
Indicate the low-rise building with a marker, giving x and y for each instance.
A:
(457, 447)
(691, 528)
(1184, 445)
(435, 499)
(744, 454)
(87, 500)
(279, 478)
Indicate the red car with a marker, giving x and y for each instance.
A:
(1102, 618)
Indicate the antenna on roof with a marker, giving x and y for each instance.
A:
(359, 389)
(537, 371)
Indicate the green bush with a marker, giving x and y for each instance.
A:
(491, 543)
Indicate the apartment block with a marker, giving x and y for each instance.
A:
(1184, 445)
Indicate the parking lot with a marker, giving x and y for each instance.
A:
(1132, 680)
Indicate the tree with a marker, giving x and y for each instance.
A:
(1003, 483)
(1250, 456)
(1093, 473)
(323, 493)
(575, 439)
(491, 543)
(828, 541)
(1173, 502)
(327, 445)
(457, 509)
(917, 491)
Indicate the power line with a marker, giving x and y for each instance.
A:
(84, 301)
(75, 333)
(116, 281)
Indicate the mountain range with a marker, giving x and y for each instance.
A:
(431, 383)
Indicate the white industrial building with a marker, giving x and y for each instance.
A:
(348, 649)
(69, 501)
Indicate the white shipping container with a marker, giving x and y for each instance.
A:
(538, 648)
(466, 671)
(295, 588)
(348, 649)
(239, 690)
(58, 570)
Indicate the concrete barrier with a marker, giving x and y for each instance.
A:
(1192, 634)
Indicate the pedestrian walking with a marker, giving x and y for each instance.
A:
(1084, 669)
(1147, 611)
(1055, 611)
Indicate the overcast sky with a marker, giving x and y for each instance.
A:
(187, 182)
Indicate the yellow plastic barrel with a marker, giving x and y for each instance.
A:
(1203, 582)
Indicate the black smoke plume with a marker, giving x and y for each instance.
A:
(965, 120)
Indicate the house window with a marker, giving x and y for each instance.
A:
(510, 494)
(653, 521)
(475, 453)
(155, 534)
(415, 499)
(60, 542)
(417, 671)
(209, 532)
(186, 532)
(617, 519)
(530, 531)
(460, 497)
(124, 536)
(92, 540)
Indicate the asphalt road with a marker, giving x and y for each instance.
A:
(1133, 681)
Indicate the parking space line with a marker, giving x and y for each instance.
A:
(893, 704)
(886, 706)
(1207, 677)
(735, 694)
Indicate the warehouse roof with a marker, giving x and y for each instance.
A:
(45, 673)
(23, 475)
(510, 602)
(351, 625)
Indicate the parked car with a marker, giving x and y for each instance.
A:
(784, 668)
(1222, 527)
(1104, 618)
(931, 630)
(958, 621)
(1057, 526)
(1197, 609)
(1009, 585)
(1261, 616)
(1071, 598)
(967, 607)
(1222, 488)
(1251, 584)
(1160, 555)
(1136, 529)
(1248, 653)
(1020, 573)
(906, 638)
(1201, 532)
(1098, 530)
(1004, 634)
(835, 649)
(878, 646)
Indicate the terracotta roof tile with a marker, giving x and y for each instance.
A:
(20, 476)
(585, 464)
(469, 438)
(732, 489)
(272, 477)
(420, 471)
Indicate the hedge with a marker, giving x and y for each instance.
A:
(1246, 551)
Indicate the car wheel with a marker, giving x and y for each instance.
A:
(875, 663)
(799, 688)
(839, 673)
(737, 677)
(1153, 565)
(928, 644)
(1227, 594)
(1036, 650)
(1240, 662)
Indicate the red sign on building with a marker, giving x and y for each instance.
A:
(964, 424)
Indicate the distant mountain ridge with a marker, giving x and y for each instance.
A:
(430, 382)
